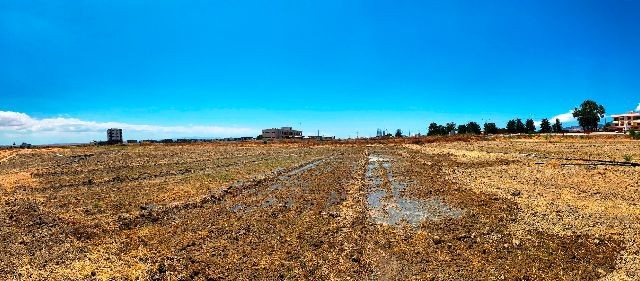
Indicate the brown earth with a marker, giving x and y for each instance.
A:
(508, 209)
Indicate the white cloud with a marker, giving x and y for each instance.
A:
(638, 108)
(16, 123)
(564, 117)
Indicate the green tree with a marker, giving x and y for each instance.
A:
(435, 129)
(450, 128)
(490, 128)
(511, 127)
(530, 126)
(398, 133)
(473, 128)
(520, 128)
(462, 129)
(557, 127)
(545, 126)
(589, 115)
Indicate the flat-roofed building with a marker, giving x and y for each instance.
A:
(627, 121)
(114, 136)
(282, 133)
(321, 138)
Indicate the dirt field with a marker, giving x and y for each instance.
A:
(508, 209)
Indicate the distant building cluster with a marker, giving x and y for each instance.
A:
(114, 136)
(282, 133)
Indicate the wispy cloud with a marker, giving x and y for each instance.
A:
(20, 123)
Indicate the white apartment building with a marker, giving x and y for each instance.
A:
(626, 121)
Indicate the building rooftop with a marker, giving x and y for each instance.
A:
(631, 113)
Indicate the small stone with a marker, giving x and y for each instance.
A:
(516, 193)
(602, 272)
(437, 240)
(149, 207)
(463, 236)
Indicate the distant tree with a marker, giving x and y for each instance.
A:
(545, 126)
(462, 129)
(511, 127)
(490, 128)
(398, 133)
(259, 137)
(589, 115)
(439, 130)
(530, 126)
(473, 128)
(450, 128)
(557, 127)
(434, 129)
(520, 128)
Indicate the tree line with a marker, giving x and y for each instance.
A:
(514, 126)
(588, 116)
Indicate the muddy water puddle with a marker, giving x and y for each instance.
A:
(285, 181)
(300, 170)
(388, 206)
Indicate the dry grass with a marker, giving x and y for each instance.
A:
(302, 211)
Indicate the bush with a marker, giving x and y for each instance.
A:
(634, 134)
(627, 157)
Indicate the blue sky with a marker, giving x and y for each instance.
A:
(68, 69)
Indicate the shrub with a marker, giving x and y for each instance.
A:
(627, 157)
